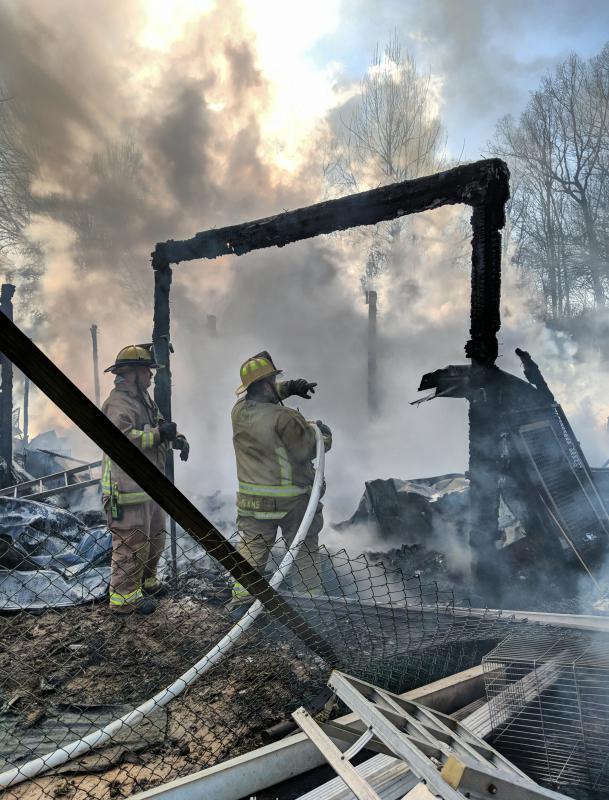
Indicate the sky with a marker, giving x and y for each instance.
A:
(153, 120)
(487, 55)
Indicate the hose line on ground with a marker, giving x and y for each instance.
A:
(69, 752)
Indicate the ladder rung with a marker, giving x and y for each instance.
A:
(358, 745)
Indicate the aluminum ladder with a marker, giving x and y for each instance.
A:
(58, 482)
(445, 759)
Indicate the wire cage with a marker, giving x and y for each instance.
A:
(548, 694)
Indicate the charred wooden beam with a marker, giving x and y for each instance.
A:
(373, 398)
(487, 220)
(485, 463)
(6, 397)
(68, 398)
(95, 365)
(161, 340)
(472, 184)
(483, 185)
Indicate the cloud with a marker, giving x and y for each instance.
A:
(488, 55)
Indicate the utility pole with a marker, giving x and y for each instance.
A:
(95, 365)
(373, 402)
(6, 395)
(162, 381)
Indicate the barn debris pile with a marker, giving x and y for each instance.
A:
(549, 514)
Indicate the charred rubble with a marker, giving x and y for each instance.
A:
(548, 518)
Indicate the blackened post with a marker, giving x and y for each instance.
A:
(484, 435)
(26, 411)
(95, 366)
(372, 341)
(6, 396)
(162, 381)
(211, 325)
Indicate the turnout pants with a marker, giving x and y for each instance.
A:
(257, 537)
(138, 539)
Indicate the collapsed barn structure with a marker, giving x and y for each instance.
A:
(538, 469)
(547, 505)
(527, 692)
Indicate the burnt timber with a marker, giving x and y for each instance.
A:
(6, 397)
(544, 476)
(483, 185)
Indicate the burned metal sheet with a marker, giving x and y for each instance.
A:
(49, 558)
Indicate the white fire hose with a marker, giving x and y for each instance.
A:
(69, 752)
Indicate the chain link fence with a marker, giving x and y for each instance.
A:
(69, 667)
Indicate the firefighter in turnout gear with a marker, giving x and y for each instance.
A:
(274, 446)
(136, 522)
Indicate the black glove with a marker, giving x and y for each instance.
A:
(181, 444)
(168, 431)
(299, 387)
(325, 430)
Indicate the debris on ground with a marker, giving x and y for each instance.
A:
(96, 661)
(421, 527)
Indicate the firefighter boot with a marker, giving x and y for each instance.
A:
(154, 588)
(142, 606)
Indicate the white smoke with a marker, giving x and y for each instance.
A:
(190, 156)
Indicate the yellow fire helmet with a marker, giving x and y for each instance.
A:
(134, 355)
(255, 369)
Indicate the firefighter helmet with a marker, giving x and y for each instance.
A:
(255, 369)
(134, 355)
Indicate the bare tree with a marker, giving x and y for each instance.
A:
(392, 133)
(16, 170)
(536, 213)
(558, 152)
(579, 93)
(103, 219)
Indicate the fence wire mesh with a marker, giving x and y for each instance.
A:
(548, 693)
(69, 665)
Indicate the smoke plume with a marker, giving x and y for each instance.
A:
(141, 133)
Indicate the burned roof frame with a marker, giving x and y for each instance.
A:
(484, 185)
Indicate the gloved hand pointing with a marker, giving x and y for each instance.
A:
(181, 444)
(168, 431)
(299, 387)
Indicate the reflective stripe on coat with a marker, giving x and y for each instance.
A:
(274, 447)
(135, 414)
